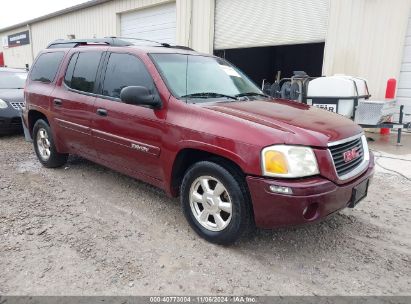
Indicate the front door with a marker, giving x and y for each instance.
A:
(127, 137)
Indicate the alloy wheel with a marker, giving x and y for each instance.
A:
(210, 203)
(43, 144)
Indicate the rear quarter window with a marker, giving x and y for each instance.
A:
(46, 67)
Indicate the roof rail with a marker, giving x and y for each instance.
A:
(160, 43)
(181, 47)
(69, 43)
(112, 41)
(142, 39)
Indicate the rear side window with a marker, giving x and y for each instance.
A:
(125, 70)
(70, 70)
(82, 70)
(46, 67)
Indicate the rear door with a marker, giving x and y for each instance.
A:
(127, 137)
(73, 103)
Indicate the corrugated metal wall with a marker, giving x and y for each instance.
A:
(16, 57)
(194, 26)
(404, 83)
(365, 38)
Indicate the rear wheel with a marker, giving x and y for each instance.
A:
(44, 146)
(215, 202)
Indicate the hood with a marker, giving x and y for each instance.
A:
(12, 95)
(300, 124)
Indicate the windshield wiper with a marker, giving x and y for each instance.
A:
(209, 95)
(250, 94)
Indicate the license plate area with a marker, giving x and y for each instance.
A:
(359, 193)
(326, 106)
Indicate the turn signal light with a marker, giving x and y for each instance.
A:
(275, 162)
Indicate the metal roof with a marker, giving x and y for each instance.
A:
(55, 14)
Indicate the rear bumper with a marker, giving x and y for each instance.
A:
(318, 194)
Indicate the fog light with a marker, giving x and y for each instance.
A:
(281, 189)
(311, 211)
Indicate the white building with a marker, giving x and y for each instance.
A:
(365, 38)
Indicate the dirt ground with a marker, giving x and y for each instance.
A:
(86, 230)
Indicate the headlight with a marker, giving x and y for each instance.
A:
(3, 104)
(288, 161)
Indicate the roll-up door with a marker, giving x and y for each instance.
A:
(155, 23)
(245, 23)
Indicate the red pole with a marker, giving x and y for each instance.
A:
(389, 94)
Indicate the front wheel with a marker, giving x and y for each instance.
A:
(44, 146)
(215, 202)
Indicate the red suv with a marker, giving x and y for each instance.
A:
(195, 126)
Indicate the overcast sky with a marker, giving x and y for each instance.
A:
(16, 11)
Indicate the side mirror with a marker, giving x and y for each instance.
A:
(138, 95)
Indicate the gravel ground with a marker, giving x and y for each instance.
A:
(86, 230)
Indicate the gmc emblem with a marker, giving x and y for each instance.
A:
(350, 155)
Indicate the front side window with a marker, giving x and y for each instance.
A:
(82, 70)
(12, 80)
(46, 67)
(201, 77)
(125, 70)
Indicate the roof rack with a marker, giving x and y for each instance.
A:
(112, 41)
(62, 43)
(141, 39)
(181, 47)
(164, 44)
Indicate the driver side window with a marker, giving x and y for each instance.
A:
(125, 70)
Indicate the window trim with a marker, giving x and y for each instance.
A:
(100, 65)
(101, 71)
(68, 64)
(103, 76)
(57, 71)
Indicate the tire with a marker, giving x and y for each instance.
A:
(224, 224)
(44, 146)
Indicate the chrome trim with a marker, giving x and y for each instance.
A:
(362, 166)
(343, 141)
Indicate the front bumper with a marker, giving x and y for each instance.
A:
(318, 195)
(10, 121)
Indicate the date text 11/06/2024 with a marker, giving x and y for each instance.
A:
(203, 299)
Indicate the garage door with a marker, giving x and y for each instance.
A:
(245, 23)
(155, 23)
(404, 83)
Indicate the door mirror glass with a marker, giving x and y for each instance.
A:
(139, 95)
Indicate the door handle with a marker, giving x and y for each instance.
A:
(58, 102)
(102, 112)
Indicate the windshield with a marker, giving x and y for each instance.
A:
(201, 77)
(12, 80)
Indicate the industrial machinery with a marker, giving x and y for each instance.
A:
(342, 94)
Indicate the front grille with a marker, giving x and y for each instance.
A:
(17, 105)
(342, 166)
